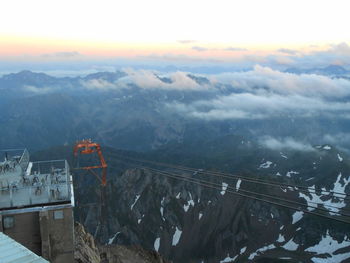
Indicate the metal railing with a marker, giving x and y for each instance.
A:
(19, 156)
(47, 182)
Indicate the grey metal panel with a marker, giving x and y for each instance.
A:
(13, 252)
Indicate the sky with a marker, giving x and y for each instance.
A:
(211, 31)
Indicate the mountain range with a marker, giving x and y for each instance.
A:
(144, 111)
(262, 124)
(331, 70)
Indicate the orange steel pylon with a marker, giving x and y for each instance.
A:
(90, 147)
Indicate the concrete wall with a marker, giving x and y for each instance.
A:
(48, 233)
(25, 230)
(57, 235)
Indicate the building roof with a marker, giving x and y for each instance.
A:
(26, 184)
(13, 252)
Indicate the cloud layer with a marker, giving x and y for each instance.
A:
(266, 93)
(260, 93)
(265, 78)
(147, 79)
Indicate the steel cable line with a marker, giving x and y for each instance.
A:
(303, 189)
(227, 175)
(252, 197)
(312, 202)
(281, 199)
(257, 193)
(243, 179)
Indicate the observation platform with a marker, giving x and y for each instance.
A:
(26, 184)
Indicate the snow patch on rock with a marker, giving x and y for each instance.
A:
(333, 259)
(340, 158)
(260, 250)
(200, 216)
(280, 239)
(290, 245)
(328, 245)
(224, 187)
(289, 174)
(265, 165)
(162, 208)
(332, 204)
(157, 244)
(228, 259)
(176, 236)
(110, 241)
(136, 199)
(189, 203)
(238, 184)
(297, 216)
(242, 250)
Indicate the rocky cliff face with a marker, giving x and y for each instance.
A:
(129, 254)
(86, 251)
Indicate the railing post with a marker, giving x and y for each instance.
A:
(11, 195)
(30, 195)
(67, 178)
(48, 192)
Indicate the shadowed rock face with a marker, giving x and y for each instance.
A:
(192, 223)
(186, 222)
(206, 223)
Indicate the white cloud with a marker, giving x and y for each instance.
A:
(63, 54)
(285, 144)
(285, 83)
(100, 84)
(340, 139)
(263, 105)
(147, 79)
(288, 51)
(342, 49)
(266, 93)
(259, 93)
(36, 90)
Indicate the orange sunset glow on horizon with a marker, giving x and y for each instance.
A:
(225, 30)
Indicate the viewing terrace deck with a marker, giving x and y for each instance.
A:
(24, 183)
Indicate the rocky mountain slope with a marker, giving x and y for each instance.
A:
(186, 222)
(87, 251)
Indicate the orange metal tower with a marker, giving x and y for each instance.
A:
(89, 147)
